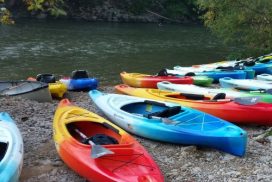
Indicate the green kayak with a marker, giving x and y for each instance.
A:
(202, 81)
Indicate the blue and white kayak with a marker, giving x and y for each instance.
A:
(265, 77)
(81, 84)
(215, 75)
(169, 122)
(80, 81)
(11, 149)
(245, 84)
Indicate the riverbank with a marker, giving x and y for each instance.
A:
(177, 162)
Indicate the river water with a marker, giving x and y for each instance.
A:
(104, 49)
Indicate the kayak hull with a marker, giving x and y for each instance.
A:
(81, 84)
(10, 138)
(245, 84)
(32, 90)
(200, 128)
(150, 81)
(212, 92)
(130, 161)
(215, 75)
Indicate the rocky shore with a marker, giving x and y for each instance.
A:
(177, 162)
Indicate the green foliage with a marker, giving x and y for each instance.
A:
(53, 7)
(5, 15)
(247, 22)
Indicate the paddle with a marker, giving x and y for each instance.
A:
(247, 100)
(97, 150)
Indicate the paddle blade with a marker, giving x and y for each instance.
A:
(99, 151)
(247, 100)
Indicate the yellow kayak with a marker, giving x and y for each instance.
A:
(57, 89)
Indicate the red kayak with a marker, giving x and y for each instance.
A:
(150, 81)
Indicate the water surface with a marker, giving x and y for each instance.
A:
(104, 49)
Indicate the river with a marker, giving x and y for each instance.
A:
(104, 49)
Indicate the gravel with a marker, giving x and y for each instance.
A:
(177, 162)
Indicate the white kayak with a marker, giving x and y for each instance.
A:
(245, 84)
(207, 92)
(11, 149)
(265, 77)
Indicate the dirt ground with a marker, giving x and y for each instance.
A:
(177, 162)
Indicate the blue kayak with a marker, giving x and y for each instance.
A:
(216, 74)
(11, 149)
(80, 81)
(169, 122)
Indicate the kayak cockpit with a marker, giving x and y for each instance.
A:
(3, 150)
(150, 109)
(99, 133)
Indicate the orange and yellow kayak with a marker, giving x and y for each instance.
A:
(129, 162)
(230, 110)
(150, 81)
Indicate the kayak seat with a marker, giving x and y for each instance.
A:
(190, 74)
(46, 78)
(171, 111)
(219, 96)
(100, 139)
(77, 74)
(163, 72)
(193, 96)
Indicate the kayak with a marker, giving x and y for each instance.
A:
(11, 149)
(57, 88)
(32, 90)
(260, 65)
(169, 122)
(265, 77)
(215, 75)
(202, 81)
(245, 84)
(80, 81)
(241, 111)
(212, 92)
(197, 80)
(150, 81)
(99, 150)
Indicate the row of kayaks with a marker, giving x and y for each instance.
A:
(99, 150)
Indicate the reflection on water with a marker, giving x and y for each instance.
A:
(104, 49)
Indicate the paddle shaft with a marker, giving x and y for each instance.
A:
(84, 136)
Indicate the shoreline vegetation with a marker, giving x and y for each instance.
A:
(247, 24)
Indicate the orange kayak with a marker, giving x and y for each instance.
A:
(230, 110)
(79, 132)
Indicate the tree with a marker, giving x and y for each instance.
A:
(5, 15)
(247, 23)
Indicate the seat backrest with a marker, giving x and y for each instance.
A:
(219, 96)
(163, 72)
(168, 112)
(77, 74)
(46, 78)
